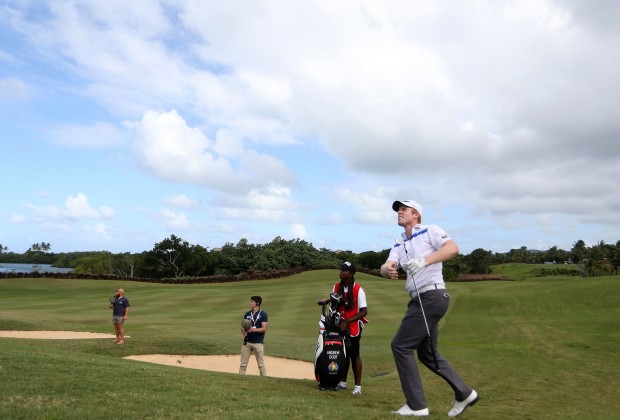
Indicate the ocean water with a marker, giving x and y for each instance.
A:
(29, 268)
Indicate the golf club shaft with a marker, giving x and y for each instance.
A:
(428, 331)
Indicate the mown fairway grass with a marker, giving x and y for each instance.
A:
(535, 348)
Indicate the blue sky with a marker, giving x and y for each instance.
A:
(122, 123)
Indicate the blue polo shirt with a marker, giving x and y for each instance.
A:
(257, 320)
(120, 304)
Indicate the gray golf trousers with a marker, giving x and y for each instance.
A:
(411, 335)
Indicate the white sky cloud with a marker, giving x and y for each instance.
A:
(98, 135)
(76, 207)
(13, 88)
(176, 221)
(298, 231)
(182, 201)
(174, 151)
(286, 115)
(98, 229)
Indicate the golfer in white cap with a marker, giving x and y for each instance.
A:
(420, 253)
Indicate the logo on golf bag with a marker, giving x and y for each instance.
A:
(333, 367)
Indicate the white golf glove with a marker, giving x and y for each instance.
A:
(414, 265)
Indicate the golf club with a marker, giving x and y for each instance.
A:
(428, 331)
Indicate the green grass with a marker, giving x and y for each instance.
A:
(535, 348)
(519, 272)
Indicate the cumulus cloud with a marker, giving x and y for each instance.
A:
(173, 151)
(79, 207)
(371, 206)
(404, 88)
(511, 112)
(97, 230)
(176, 221)
(75, 208)
(299, 231)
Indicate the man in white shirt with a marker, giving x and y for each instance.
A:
(420, 253)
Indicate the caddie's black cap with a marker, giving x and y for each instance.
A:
(348, 266)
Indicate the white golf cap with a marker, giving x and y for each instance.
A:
(407, 203)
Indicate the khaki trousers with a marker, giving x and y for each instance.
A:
(246, 352)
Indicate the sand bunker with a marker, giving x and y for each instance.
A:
(276, 367)
(54, 335)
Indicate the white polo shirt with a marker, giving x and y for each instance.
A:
(425, 240)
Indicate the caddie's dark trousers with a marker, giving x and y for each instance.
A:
(411, 335)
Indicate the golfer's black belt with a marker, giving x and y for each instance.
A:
(427, 288)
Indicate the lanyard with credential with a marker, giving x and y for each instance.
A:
(254, 321)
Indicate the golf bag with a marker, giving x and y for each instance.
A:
(331, 346)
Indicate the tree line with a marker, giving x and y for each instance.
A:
(176, 258)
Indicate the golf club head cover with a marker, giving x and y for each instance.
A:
(414, 265)
(246, 324)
